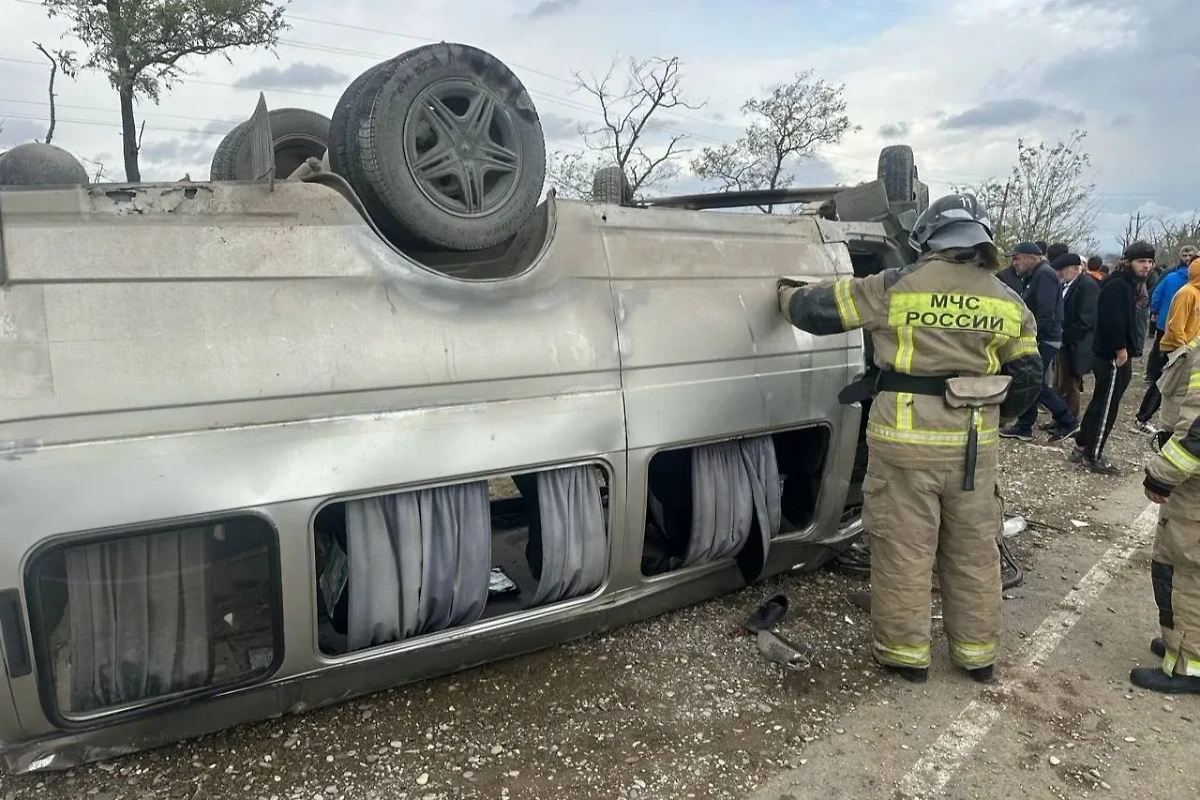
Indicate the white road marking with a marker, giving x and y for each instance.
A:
(942, 759)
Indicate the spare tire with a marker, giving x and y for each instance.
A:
(898, 171)
(609, 185)
(40, 164)
(296, 134)
(453, 148)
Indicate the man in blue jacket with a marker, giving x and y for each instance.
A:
(1044, 297)
(1160, 305)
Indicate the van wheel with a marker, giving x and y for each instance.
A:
(297, 134)
(351, 115)
(453, 148)
(609, 185)
(898, 171)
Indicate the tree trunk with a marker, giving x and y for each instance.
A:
(133, 173)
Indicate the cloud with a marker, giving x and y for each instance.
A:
(1006, 113)
(551, 8)
(299, 75)
(894, 130)
(18, 131)
(556, 126)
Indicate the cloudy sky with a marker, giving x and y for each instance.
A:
(959, 80)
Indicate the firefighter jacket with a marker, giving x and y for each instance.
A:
(1172, 467)
(939, 318)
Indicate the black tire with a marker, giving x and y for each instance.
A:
(609, 185)
(422, 111)
(898, 171)
(222, 167)
(922, 196)
(344, 124)
(350, 117)
(297, 134)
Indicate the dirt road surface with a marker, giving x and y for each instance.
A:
(683, 706)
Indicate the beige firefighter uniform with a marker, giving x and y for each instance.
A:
(933, 320)
(1175, 471)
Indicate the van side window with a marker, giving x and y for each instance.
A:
(396, 566)
(145, 616)
(730, 498)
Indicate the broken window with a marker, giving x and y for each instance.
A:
(140, 617)
(400, 565)
(725, 499)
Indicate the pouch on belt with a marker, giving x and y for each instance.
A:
(975, 393)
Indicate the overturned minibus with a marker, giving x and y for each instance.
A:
(273, 440)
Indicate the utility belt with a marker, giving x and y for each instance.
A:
(973, 392)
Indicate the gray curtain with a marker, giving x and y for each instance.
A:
(139, 618)
(419, 562)
(732, 484)
(574, 537)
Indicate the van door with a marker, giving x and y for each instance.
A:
(706, 357)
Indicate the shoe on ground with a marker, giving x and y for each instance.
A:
(1158, 646)
(910, 674)
(1076, 455)
(1047, 426)
(1146, 426)
(1014, 432)
(1154, 679)
(1101, 466)
(983, 674)
(1063, 432)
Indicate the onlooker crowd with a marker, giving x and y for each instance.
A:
(1094, 321)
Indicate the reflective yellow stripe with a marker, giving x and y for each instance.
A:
(950, 311)
(904, 404)
(973, 654)
(1180, 458)
(993, 352)
(903, 655)
(904, 349)
(1194, 380)
(847, 309)
(1025, 346)
(935, 438)
(1191, 666)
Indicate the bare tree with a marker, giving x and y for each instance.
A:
(790, 123)
(627, 105)
(1167, 235)
(139, 44)
(61, 59)
(1049, 196)
(570, 172)
(1136, 227)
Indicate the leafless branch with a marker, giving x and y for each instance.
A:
(627, 112)
(53, 75)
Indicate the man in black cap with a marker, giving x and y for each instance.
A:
(1043, 296)
(1113, 345)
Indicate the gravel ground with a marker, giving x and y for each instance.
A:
(680, 706)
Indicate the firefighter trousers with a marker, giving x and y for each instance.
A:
(1175, 574)
(917, 516)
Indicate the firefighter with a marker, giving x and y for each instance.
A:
(957, 352)
(1173, 481)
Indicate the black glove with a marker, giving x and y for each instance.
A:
(788, 283)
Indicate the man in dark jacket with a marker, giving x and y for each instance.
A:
(1112, 348)
(1080, 293)
(1043, 296)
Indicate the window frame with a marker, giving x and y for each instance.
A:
(425, 640)
(696, 569)
(43, 670)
